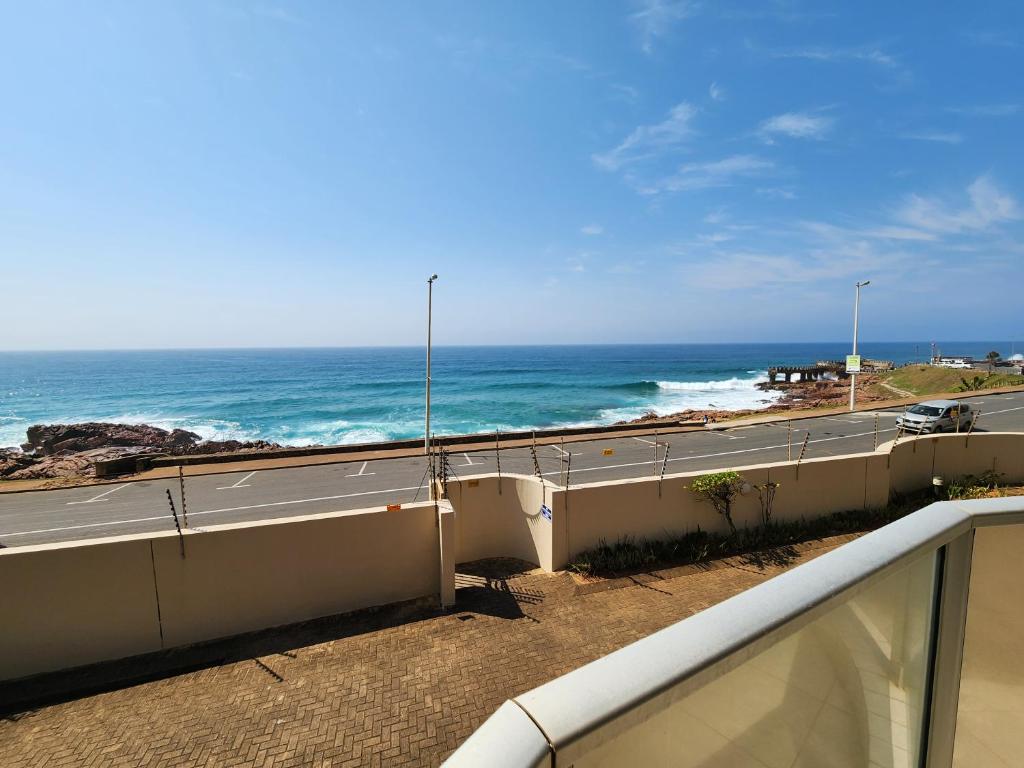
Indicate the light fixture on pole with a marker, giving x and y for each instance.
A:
(430, 297)
(856, 318)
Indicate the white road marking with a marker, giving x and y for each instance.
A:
(560, 451)
(470, 462)
(85, 525)
(844, 421)
(239, 484)
(100, 497)
(1005, 410)
(727, 437)
(211, 511)
(721, 453)
(649, 442)
(362, 471)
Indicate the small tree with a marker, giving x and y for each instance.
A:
(993, 356)
(766, 495)
(719, 488)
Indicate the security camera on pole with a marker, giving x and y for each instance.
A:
(853, 361)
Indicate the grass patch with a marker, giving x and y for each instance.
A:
(931, 379)
(630, 554)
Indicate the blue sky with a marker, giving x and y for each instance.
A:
(269, 174)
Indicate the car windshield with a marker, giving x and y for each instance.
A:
(926, 410)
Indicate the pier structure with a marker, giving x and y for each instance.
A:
(803, 373)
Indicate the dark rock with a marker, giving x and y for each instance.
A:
(227, 446)
(13, 461)
(56, 439)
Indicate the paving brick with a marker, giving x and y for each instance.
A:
(403, 695)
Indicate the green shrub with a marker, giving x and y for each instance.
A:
(719, 488)
(973, 487)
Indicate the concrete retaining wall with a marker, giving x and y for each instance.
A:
(493, 525)
(816, 487)
(64, 605)
(505, 523)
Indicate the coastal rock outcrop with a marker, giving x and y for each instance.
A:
(227, 446)
(55, 439)
(72, 450)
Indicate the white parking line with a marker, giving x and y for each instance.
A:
(85, 525)
(649, 442)
(560, 451)
(211, 511)
(470, 462)
(721, 453)
(239, 484)
(722, 433)
(1005, 410)
(100, 497)
(844, 421)
(362, 471)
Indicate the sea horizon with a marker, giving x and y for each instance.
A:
(335, 395)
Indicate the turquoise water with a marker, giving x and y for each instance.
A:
(307, 396)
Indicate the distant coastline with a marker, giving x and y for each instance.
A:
(302, 397)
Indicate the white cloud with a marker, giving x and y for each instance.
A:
(992, 38)
(873, 55)
(935, 136)
(986, 110)
(626, 93)
(716, 237)
(869, 54)
(796, 125)
(987, 207)
(776, 193)
(885, 232)
(650, 140)
(575, 263)
(655, 18)
(716, 92)
(718, 173)
(592, 229)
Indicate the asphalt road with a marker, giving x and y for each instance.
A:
(140, 507)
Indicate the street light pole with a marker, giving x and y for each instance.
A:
(430, 299)
(856, 318)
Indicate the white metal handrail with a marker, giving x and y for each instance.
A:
(566, 718)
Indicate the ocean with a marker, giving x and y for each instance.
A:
(349, 395)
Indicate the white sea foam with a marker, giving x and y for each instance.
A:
(207, 429)
(731, 394)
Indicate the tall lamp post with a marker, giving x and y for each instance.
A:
(856, 318)
(430, 298)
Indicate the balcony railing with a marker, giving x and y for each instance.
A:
(902, 648)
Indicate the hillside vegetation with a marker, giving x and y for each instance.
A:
(929, 379)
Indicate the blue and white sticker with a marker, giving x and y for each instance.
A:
(545, 511)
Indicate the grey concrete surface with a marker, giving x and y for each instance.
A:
(141, 506)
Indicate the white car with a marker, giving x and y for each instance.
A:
(937, 416)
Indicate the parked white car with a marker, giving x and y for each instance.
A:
(937, 416)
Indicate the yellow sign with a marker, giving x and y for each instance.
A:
(608, 452)
(853, 363)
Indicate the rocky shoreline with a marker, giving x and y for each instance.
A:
(796, 395)
(70, 451)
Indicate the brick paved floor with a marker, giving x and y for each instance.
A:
(407, 694)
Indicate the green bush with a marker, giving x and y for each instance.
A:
(632, 554)
(719, 488)
(973, 486)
